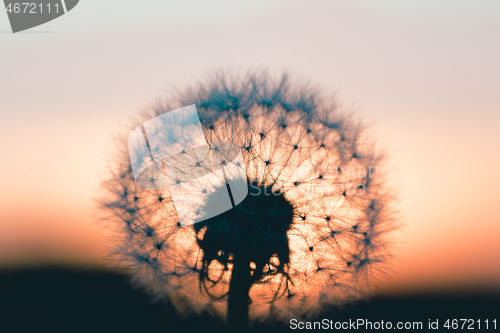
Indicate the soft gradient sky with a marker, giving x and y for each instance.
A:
(425, 74)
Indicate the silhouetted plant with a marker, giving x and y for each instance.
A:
(311, 231)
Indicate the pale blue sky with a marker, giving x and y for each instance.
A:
(425, 74)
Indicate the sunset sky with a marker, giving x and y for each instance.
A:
(423, 74)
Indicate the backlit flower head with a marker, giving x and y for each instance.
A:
(312, 230)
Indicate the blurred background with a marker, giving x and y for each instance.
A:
(423, 74)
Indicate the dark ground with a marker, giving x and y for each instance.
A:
(73, 300)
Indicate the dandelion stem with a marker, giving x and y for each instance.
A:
(238, 299)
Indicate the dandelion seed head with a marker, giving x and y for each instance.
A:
(312, 229)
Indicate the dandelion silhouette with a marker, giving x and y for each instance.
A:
(312, 230)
